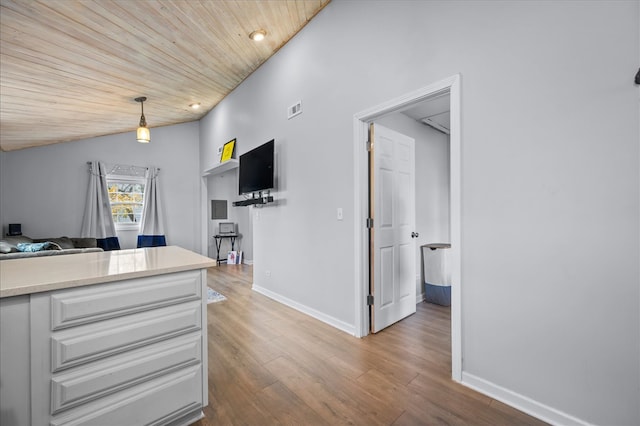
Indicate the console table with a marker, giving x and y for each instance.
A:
(218, 239)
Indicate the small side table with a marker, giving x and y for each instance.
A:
(218, 239)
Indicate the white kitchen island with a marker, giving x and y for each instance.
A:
(112, 338)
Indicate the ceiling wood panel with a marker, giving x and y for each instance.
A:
(71, 69)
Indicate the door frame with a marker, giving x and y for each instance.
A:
(361, 121)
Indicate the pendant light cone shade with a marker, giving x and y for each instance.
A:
(143, 135)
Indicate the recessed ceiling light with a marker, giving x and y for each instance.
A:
(258, 35)
(195, 105)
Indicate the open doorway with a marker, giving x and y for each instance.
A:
(450, 87)
(429, 124)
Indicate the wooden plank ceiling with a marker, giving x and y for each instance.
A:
(71, 69)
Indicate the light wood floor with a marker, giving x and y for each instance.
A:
(271, 365)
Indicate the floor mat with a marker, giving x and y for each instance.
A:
(213, 296)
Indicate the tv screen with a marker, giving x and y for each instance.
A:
(256, 169)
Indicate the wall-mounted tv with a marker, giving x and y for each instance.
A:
(256, 169)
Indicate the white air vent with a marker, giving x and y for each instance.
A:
(294, 110)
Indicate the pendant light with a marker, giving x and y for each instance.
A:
(142, 134)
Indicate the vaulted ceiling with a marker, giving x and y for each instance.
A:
(71, 69)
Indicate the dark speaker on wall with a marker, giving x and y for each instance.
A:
(15, 229)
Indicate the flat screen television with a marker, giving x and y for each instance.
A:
(256, 169)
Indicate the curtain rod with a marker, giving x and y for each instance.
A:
(126, 165)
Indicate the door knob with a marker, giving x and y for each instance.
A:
(414, 235)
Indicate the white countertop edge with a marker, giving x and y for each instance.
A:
(33, 275)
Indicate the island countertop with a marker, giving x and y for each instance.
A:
(38, 274)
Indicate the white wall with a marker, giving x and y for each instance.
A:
(45, 188)
(432, 165)
(3, 180)
(550, 183)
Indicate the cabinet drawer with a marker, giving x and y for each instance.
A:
(87, 343)
(103, 301)
(105, 377)
(173, 396)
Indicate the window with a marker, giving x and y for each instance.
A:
(126, 195)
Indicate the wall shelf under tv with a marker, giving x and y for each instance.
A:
(253, 201)
(222, 167)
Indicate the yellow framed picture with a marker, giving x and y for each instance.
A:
(227, 150)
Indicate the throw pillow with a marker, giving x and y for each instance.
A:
(33, 247)
(5, 247)
(53, 246)
(63, 242)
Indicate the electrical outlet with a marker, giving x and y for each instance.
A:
(339, 213)
(267, 273)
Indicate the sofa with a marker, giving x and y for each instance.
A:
(21, 246)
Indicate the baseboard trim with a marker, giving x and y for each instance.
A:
(334, 322)
(521, 402)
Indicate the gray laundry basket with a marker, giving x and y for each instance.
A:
(436, 273)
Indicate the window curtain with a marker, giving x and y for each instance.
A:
(152, 222)
(97, 221)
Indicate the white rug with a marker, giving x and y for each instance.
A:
(213, 296)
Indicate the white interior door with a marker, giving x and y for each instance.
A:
(393, 256)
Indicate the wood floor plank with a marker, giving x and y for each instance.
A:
(410, 419)
(330, 403)
(287, 407)
(272, 365)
